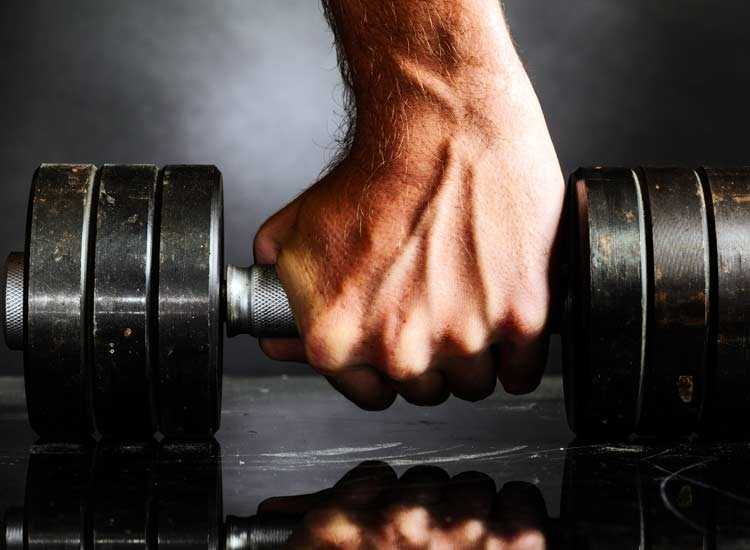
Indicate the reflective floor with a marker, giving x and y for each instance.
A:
(296, 464)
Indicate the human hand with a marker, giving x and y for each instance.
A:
(420, 263)
(371, 507)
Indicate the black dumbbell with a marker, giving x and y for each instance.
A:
(119, 298)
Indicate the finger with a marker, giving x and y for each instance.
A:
(274, 231)
(469, 495)
(426, 390)
(420, 486)
(520, 509)
(467, 504)
(284, 349)
(471, 378)
(520, 365)
(364, 387)
(266, 246)
(328, 527)
(364, 484)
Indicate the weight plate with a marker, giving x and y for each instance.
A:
(730, 381)
(679, 293)
(61, 209)
(599, 498)
(187, 499)
(123, 301)
(57, 507)
(189, 311)
(120, 506)
(605, 326)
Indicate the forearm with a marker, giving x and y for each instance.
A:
(452, 58)
(447, 37)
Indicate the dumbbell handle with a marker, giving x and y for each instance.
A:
(257, 304)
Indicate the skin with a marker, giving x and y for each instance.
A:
(371, 507)
(419, 264)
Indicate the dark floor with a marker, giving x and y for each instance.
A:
(290, 436)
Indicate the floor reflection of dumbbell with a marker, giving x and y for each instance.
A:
(137, 496)
(119, 298)
(171, 497)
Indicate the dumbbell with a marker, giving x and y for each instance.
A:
(119, 298)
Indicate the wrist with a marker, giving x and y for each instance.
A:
(418, 109)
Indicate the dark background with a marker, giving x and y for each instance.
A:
(252, 87)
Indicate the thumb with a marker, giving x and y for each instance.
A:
(266, 246)
(274, 231)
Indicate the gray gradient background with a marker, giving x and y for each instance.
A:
(252, 87)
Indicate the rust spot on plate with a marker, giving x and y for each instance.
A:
(685, 388)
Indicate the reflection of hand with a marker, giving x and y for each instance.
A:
(426, 508)
(432, 239)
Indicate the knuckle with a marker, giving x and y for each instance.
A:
(321, 352)
(468, 343)
(327, 345)
(524, 325)
(401, 368)
(264, 245)
(403, 358)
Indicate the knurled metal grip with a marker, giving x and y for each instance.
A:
(256, 534)
(13, 530)
(12, 304)
(257, 304)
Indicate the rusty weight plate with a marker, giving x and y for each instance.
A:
(678, 291)
(729, 381)
(605, 324)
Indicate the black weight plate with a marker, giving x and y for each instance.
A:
(729, 399)
(599, 497)
(187, 498)
(120, 505)
(56, 506)
(604, 331)
(123, 301)
(189, 310)
(680, 283)
(61, 210)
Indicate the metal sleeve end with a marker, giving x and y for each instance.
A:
(13, 303)
(257, 303)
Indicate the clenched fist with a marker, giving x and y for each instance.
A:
(370, 507)
(420, 263)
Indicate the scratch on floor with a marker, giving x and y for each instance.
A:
(332, 452)
(409, 457)
(458, 458)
